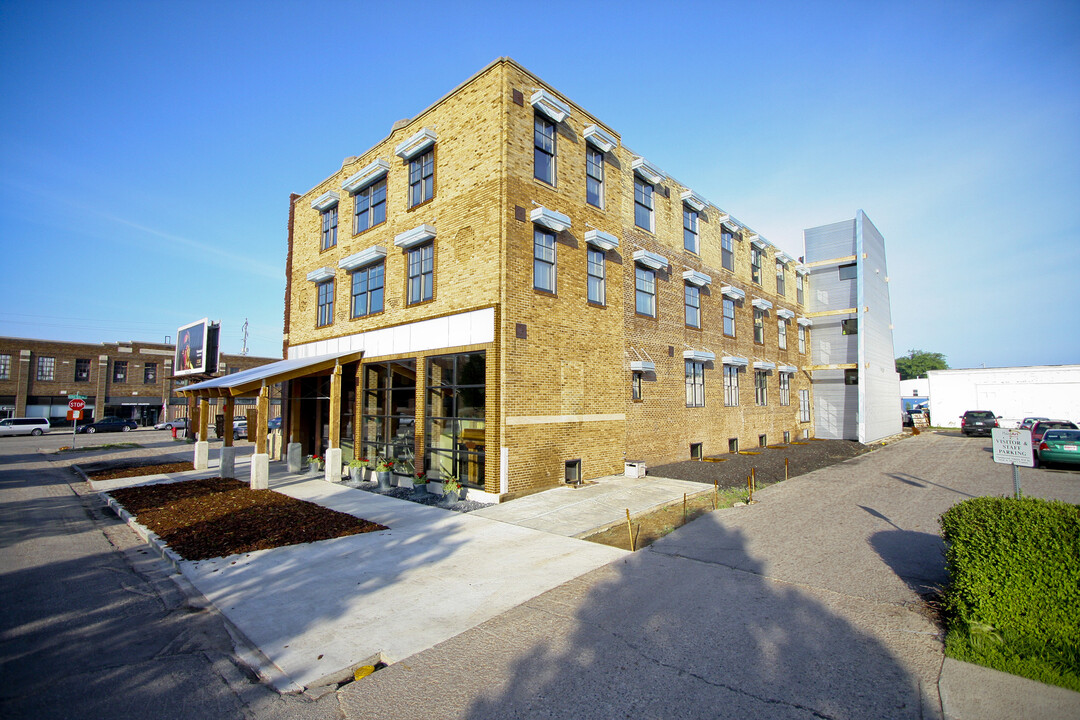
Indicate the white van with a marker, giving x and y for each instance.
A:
(24, 426)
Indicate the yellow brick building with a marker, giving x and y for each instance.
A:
(520, 299)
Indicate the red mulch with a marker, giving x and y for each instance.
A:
(140, 470)
(215, 517)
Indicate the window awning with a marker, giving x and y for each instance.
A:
(695, 201)
(602, 240)
(699, 355)
(642, 366)
(763, 365)
(650, 260)
(551, 219)
(785, 313)
(787, 369)
(596, 135)
(366, 176)
(735, 360)
(249, 382)
(761, 303)
(648, 172)
(696, 278)
(732, 292)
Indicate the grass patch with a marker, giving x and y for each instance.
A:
(651, 526)
(106, 446)
(1013, 603)
(216, 517)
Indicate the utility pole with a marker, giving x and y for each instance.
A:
(244, 350)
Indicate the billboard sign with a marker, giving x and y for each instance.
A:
(196, 348)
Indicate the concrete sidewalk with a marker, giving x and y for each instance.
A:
(805, 605)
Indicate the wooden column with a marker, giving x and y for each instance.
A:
(228, 411)
(358, 452)
(193, 416)
(335, 407)
(204, 416)
(294, 410)
(264, 417)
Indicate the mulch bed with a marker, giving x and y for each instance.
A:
(140, 470)
(215, 517)
(768, 463)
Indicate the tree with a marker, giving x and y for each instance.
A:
(917, 362)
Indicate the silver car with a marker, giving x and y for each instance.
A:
(24, 426)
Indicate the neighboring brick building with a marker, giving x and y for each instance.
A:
(130, 380)
(535, 302)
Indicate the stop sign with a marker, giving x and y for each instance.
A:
(76, 404)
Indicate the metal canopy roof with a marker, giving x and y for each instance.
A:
(249, 382)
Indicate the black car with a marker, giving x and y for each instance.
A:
(109, 424)
(978, 422)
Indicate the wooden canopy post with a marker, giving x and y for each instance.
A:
(202, 445)
(260, 461)
(227, 464)
(228, 412)
(333, 453)
(264, 418)
(294, 451)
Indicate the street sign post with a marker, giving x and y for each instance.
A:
(76, 403)
(1013, 447)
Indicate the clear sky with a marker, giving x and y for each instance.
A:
(148, 149)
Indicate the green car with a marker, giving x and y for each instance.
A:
(1059, 446)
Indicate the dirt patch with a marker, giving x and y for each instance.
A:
(729, 478)
(767, 463)
(128, 470)
(215, 517)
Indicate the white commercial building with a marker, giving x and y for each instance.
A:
(1014, 393)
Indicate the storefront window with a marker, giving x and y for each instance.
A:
(388, 415)
(454, 416)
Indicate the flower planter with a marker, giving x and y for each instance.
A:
(314, 469)
(420, 489)
(384, 480)
(453, 496)
(356, 474)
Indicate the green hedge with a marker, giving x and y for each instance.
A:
(1014, 597)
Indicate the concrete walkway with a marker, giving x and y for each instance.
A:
(805, 605)
(579, 511)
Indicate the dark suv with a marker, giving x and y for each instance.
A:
(978, 422)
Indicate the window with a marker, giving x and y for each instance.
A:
(5, 367)
(785, 390)
(149, 374)
(643, 204)
(800, 288)
(787, 436)
(804, 406)
(370, 206)
(696, 451)
(455, 415)
(849, 326)
(422, 178)
(421, 274)
(729, 317)
(781, 285)
(544, 149)
(781, 333)
(761, 387)
(82, 370)
(594, 176)
(847, 272)
(733, 445)
(731, 386)
(46, 367)
(596, 272)
(690, 229)
(693, 306)
(645, 284)
(695, 383)
(119, 371)
(727, 249)
(325, 294)
(387, 412)
(755, 265)
(329, 228)
(543, 259)
(759, 326)
(851, 377)
(763, 440)
(367, 290)
(635, 386)
(802, 339)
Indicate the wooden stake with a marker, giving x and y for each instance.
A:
(684, 508)
(630, 529)
(715, 493)
(785, 468)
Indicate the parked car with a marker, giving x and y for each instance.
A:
(109, 424)
(24, 426)
(978, 422)
(1059, 446)
(239, 429)
(179, 424)
(274, 424)
(1041, 426)
(1027, 422)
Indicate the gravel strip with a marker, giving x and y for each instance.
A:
(404, 493)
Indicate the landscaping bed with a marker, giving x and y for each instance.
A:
(803, 456)
(215, 517)
(132, 470)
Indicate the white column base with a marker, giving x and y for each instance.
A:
(260, 471)
(202, 455)
(294, 458)
(227, 466)
(333, 465)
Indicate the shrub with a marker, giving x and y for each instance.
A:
(1014, 597)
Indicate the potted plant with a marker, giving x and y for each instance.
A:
(451, 490)
(315, 464)
(383, 468)
(356, 469)
(420, 483)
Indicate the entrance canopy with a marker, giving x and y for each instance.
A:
(247, 383)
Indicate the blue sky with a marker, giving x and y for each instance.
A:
(148, 149)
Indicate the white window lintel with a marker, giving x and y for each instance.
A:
(320, 274)
(648, 172)
(732, 292)
(550, 105)
(419, 142)
(762, 365)
(761, 303)
(699, 355)
(364, 257)
(366, 176)
(805, 322)
(550, 219)
(735, 360)
(642, 366)
(596, 135)
(696, 278)
(410, 238)
(602, 240)
(650, 260)
(785, 313)
(693, 200)
(325, 201)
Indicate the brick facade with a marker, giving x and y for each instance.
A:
(558, 366)
(140, 393)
